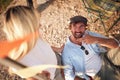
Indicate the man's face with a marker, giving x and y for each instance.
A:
(78, 29)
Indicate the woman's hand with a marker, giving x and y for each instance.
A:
(44, 75)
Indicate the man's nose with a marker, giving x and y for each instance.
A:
(77, 29)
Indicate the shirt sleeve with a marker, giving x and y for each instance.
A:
(68, 72)
(96, 34)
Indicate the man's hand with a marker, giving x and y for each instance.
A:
(88, 39)
(58, 50)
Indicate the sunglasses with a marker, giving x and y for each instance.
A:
(83, 48)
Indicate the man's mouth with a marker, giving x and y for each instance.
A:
(78, 35)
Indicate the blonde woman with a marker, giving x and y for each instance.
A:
(21, 21)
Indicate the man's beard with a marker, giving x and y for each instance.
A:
(78, 35)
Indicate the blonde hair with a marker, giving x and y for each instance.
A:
(19, 22)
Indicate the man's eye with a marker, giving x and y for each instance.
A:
(81, 26)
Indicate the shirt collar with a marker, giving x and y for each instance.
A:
(71, 43)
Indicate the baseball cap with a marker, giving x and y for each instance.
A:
(77, 19)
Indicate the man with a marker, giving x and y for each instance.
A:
(81, 51)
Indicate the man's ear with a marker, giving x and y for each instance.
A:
(69, 26)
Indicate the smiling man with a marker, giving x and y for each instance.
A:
(82, 49)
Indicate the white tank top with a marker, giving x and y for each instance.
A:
(39, 55)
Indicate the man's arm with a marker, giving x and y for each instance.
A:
(106, 42)
(110, 43)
